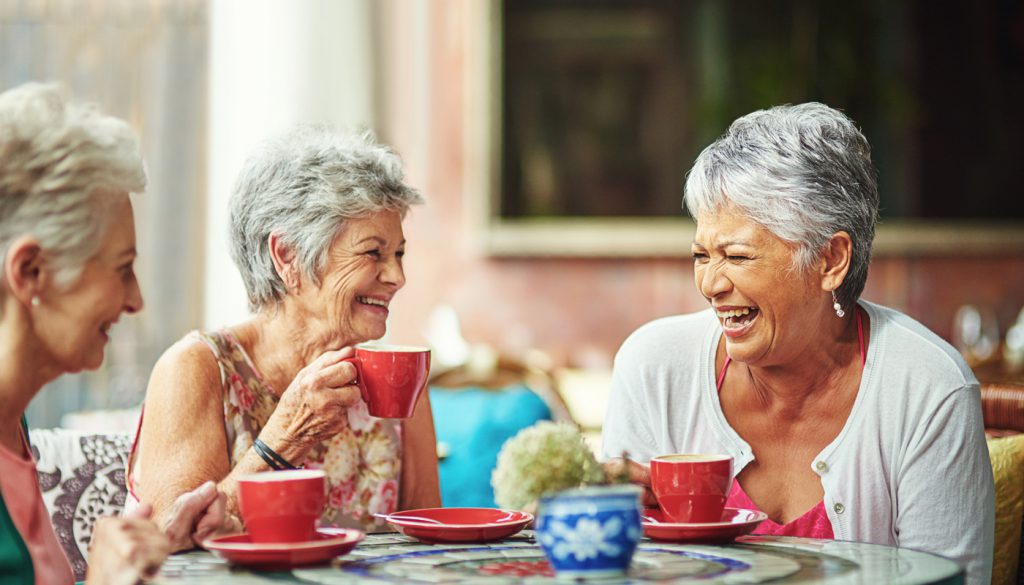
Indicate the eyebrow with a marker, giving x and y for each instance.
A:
(377, 239)
(128, 252)
(724, 244)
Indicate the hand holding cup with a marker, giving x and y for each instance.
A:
(314, 406)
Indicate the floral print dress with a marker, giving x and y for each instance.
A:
(363, 463)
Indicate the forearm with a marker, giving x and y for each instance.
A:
(419, 487)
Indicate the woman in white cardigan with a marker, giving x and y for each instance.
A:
(845, 419)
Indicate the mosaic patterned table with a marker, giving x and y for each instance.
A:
(393, 558)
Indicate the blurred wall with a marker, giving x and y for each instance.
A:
(577, 310)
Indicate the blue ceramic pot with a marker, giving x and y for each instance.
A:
(590, 532)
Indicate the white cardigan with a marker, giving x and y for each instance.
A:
(910, 468)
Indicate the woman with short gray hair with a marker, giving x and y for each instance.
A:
(68, 239)
(844, 419)
(316, 232)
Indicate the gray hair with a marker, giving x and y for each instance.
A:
(61, 164)
(305, 186)
(803, 172)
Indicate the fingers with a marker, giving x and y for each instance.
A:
(338, 374)
(126, 549)
(334, 356)
(212, 520)
(647, 499)
(627, 470)
(186, 513)
(142, 511)
(639, 474)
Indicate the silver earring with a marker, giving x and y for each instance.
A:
(35, 301)
(835, 305)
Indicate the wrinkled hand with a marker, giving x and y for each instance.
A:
(196, 515)
(314, 406)
(636, 474)
(126, 550)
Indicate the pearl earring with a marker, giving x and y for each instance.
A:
(835, 305)
(35, 301)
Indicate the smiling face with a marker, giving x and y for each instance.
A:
(769, 312)
(362, 274)
(74, 323)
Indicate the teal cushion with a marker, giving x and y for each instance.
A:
(472, 424)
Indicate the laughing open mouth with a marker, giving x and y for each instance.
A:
(372, 301)
(737, 318)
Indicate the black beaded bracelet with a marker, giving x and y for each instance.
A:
(268, 455)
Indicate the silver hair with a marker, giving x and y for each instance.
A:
(62, 167)
(305, 185)
(804, 172)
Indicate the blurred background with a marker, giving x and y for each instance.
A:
(551, 139)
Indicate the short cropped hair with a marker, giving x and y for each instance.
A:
(61, 164)
(804, 172)
(305, 185)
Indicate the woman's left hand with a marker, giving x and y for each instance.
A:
(195, 516)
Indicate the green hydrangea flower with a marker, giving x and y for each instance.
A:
(544, 458)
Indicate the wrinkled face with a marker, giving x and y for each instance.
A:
(74, 323)
(769, 312)
(362, 274)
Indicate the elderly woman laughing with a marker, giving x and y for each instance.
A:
(316, 231)
(845, 419)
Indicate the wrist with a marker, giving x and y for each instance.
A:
(272, 458)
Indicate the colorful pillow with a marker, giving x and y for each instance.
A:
(1007, 455)
(81, 476)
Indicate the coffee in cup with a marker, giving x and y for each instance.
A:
(391, 378)
(282, 506)
(691, 488)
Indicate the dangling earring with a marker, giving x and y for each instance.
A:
(35, 301)
(835, 305)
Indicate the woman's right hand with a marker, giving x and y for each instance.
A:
(635, 473)
(126, 550)
(314, 406)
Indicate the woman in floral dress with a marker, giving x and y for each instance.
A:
(316, 232)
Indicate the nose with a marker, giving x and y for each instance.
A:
(392, 273)
(133, 297)
(711, 280)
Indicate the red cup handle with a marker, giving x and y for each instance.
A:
(359, 378)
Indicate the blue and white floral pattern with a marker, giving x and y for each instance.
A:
(590, 532)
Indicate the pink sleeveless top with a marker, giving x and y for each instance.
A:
(814, 523)
(20, 486)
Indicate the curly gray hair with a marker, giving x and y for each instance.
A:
(305, 186)
(804, 172)
(62, 167)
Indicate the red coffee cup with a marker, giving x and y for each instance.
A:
(282, 506)
(692, 488)
(391, 378)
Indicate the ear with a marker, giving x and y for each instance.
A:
(835, 260)
(23, 268)
(283, 257)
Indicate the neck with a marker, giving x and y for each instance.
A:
(23, 370)
(817, 371)
(284, 340)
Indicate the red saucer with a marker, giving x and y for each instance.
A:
(735, 522)
(459, 524)
(241, 550)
